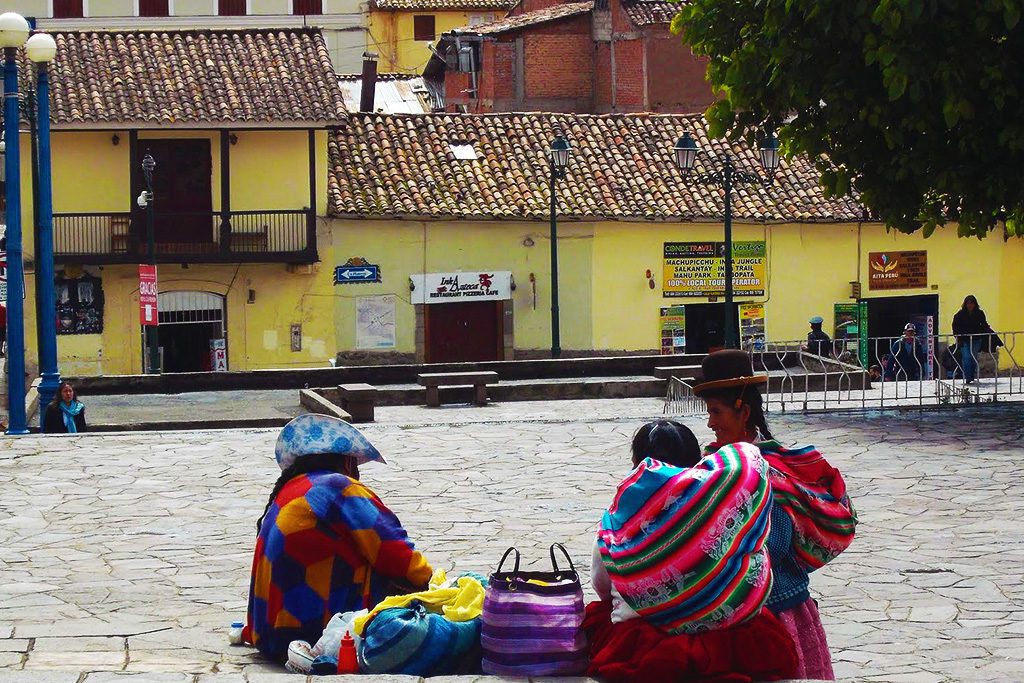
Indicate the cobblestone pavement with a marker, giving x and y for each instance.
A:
(130, 552)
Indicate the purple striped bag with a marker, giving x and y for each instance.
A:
(532, 621)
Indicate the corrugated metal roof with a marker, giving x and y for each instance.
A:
(394, 94)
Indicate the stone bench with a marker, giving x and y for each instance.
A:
(358, 399)
(433, 381)
(683, 372)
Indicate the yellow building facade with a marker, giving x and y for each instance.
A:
(607, 304)
(401, 32)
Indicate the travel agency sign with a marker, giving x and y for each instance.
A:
(698, 269)
(445, 288)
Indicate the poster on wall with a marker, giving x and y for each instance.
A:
(79, 305)
(846, 330)
(897, 269)
(218, 355)
(752, 334)
(697, 269)
(673, 330)
(375, 322)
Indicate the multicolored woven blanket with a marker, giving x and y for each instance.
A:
(685, 547)
(813, 493)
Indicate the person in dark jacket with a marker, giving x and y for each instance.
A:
(907, 358)
(818, 341)
(66, 414)
(971, 329)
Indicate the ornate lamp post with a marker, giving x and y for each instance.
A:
(558, 156)
(13, 32)
(686, 151)
(41, 49)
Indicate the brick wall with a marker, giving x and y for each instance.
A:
(534, 5)
(602, 77)
(629, 75)
(559, 65)
(675, 77)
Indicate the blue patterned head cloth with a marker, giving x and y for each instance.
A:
(312, 434)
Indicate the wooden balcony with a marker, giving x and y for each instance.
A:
(269, 236)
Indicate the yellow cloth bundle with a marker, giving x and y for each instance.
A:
(461, 601)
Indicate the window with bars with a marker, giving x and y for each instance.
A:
(67, 9)
(153, 8)
(231, 8)
(423, 27)
(307, 7)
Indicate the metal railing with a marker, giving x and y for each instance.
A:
(120, 237)
(880, 372)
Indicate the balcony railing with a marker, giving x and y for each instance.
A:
(270, 236)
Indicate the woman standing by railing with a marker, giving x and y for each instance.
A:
(971, 329)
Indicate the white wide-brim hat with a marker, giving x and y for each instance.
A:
(312, 434)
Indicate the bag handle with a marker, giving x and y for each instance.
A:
(554, 562)
(504, 557)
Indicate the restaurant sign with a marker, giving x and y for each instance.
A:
(446, 288)
(897, 269)
(698, 269)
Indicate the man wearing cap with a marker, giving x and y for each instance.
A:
(325, 543)
(907, 357)
(818, 342)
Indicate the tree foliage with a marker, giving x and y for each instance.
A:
(917, 106)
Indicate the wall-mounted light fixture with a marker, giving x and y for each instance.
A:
(233, 139)
(412, 285)
(252, 296)
(650, 278)
(528, 242)
(115, 139)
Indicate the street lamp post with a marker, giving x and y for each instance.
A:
(686, 151)
(13, 32)
(41, 49)
(558, 157)
(146, 202)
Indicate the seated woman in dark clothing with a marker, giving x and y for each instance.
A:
(65, 414)
(325, 543)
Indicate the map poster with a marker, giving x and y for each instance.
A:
(673, 330)
(697, 269)
(375, 322)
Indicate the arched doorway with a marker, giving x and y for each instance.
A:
(189, 322)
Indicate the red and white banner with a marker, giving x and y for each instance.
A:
(147, 295)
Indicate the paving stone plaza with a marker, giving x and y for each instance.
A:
(130, 553)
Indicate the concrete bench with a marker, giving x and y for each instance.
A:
(435, 380)
(358, 399)
(680, 371)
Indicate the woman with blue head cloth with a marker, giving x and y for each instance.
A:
(325, 543)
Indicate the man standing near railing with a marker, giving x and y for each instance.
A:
(818, 341)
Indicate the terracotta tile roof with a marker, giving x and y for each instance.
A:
(166, 78)
(622, 167)
(440, 5)
(648, 12)
(519, 21)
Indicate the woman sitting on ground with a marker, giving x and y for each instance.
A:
(65, 414)
(681, 568)
(325, 543)
(812, 518)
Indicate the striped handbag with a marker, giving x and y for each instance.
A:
(532, 621)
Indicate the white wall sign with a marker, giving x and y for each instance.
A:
(375, 322)
(446, 288)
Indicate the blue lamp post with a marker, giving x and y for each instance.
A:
(13, 32)
(41, 49)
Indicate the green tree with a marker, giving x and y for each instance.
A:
(915, 105)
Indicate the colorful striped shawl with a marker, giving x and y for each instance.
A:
(685, 547)
(813, 493)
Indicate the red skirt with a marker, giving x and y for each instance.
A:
(804, 625)
(757, 650)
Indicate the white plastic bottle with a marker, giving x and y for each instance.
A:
(235, 634)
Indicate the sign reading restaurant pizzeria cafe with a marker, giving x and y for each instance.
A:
(462, 314)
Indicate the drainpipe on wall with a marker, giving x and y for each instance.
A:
(368, 83)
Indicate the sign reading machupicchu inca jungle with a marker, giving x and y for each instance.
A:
(698, 269)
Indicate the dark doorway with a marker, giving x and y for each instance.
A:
(705, 327)
(187, 346)
(183, 192)
(887, 316)
(463, 332)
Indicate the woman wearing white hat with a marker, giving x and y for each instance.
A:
(325, 543)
